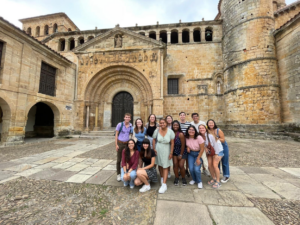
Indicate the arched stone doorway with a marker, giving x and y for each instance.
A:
(5, 117)
(40, 121)
(122, 103)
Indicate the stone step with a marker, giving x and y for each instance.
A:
(93, 137)
(98, 133)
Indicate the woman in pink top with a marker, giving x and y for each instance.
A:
(195, 149)
(130, 161)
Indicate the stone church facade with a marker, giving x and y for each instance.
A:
(240, 69)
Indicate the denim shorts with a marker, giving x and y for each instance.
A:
(221, 153)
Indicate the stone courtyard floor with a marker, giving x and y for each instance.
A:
(73, 181)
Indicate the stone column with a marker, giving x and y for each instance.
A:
(191, 36)
(76, 43)
(158, 108)
(87, 117)
(157, 36)
(96, 128)
(203, 35)
(67, 46)
(147, 34)
(169, 37)
(180, 37)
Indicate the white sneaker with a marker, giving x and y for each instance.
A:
(161, 180)
(145, 188)
(200, 186)
(132, 187)
(169, 175)
(192, 182)
(207, 173)
(225, 179)
(119, 177)
(163, 189)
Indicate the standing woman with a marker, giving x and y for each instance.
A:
(169, 120)
(213, 160)
(195, 149)
(212, 127)
(148, 172)
(130, 161)
(179, 154)
(139, 132)
(164, 149)
(151, 127)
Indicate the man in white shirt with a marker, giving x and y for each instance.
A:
(196, 123)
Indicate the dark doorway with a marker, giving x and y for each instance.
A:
(152, 35)
(40, 122)
(163, 36)
(197, 36)
(186, 36)
(174, 37)
(122, 103)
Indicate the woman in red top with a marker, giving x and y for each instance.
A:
(130, 161)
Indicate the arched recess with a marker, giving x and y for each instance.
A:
(5, 119)
(39, 120)
(218, 83)
(107, 82)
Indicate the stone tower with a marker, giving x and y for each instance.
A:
(250, 66)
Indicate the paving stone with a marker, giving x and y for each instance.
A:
(265, 177)
(47, 165)
(286, 190)
(6, 174)
(208, 197)
(90, 161)
(100, 177)
(295, 182)
(252, 188)
(101, 163)
(224, 215)
(20, 168)
(73, 154)
(112, 181)
(76, 159)
(113, 162)
(90, 170)
(236, 171)
(167, 212)
(110, 167)
(229, 186)
(235, 198)
(9, 179)
(173, 193)
(62, 176)
(64, 165)
(249, 169)
(4, 165)
(45, 174)
(279, 173)
(26, 160)
(43, 161)
(293, 171)
(62, 159)
(78, 167)
(29, 172)
(78, 178)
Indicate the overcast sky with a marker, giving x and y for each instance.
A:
(87, 14)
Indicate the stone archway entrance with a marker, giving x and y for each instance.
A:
(122, 103)
(5, 117)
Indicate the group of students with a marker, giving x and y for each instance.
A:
(169, 143)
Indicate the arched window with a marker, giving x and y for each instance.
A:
(72, 43)
(80, 40)
(163, 36)
(46, 30)
(90, 38)
(29, 30)
(218, 87)
(197, 35)
(37, 31)
(55, 28)
(152, 35)
(69, 29)
(185, 36)
(208, 34)
(174, 37)
(142, 33)
(62, 45)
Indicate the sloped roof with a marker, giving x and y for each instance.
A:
(290, 21)
(288, 7)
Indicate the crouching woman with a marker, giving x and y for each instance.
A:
(148, 173)
(130, 161)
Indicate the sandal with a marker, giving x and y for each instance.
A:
(217, 185)
(212, 182)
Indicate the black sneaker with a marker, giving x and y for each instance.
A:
(176, 181)
(225, 179)
(187, 173)
(184, 182)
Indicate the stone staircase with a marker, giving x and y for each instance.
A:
(99, 134)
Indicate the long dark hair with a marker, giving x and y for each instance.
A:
(187, 132)
(149, 119)
(179, 128)
(127, 150)
(142, 152)
(136, 129)
(215, 125)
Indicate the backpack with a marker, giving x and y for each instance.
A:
(122, 128)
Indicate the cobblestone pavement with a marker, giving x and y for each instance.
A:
(72, 184)
(267, 153)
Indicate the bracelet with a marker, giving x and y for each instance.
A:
(180, 155)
